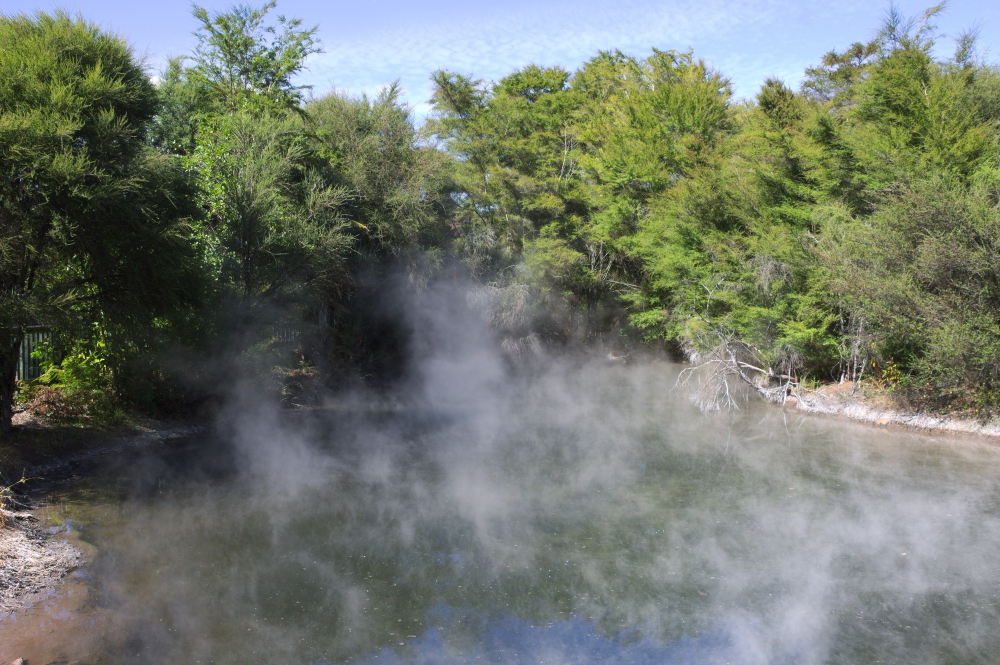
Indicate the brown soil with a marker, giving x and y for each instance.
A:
(41, 446)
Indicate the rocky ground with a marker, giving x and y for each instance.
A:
(31, 562)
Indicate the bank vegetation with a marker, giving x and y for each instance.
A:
(226, 221)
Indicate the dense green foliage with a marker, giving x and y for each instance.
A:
(92, 221)
(298, 195)
(849, 228)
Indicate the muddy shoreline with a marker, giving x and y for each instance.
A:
(50, 452)
(34, 561)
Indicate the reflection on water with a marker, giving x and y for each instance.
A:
(572, 640)
(587, 515)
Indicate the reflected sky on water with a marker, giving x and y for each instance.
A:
(587, 513)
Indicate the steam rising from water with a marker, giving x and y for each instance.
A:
(581, 512)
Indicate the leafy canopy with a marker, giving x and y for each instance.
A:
(245, 62)
(92, 223)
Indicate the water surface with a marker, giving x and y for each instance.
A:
(587, 514)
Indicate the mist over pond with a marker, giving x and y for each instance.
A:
(580, 512)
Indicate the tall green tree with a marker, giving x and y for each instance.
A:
(247, 63)
(914, 268)
(92, 223)
(516, 158)
(299, 195)
(835, 79)
(369, 148)
(274, 221)
(184, 102)
(556, 172)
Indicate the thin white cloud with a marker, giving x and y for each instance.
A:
(371, 44)
(562, 33)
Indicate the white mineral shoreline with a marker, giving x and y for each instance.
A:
(839, 400)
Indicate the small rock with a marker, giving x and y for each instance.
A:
(19, 661)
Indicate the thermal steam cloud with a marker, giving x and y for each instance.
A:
(559, 508)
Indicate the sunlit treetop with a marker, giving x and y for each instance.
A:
(248, 63)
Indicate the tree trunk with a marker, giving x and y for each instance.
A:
(321, 336)
(9, 349)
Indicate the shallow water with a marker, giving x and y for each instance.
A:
(589, 514)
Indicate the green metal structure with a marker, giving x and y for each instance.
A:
(28, 367)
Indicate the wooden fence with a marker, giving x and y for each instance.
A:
(27, 367)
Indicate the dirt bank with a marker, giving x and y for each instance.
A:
(717, 372)
(43, 448)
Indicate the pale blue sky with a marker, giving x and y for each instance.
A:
(368, 45)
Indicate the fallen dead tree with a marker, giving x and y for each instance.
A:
(730, 368)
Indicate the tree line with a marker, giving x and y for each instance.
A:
(846, 229)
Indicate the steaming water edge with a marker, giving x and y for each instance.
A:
(589, 514)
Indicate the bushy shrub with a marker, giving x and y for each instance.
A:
(77, 386)
(922, 271)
